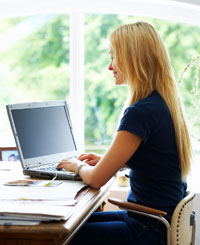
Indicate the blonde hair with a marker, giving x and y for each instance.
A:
(140, 54)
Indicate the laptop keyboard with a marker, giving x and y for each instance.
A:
(52, 168)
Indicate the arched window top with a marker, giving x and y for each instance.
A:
(178, 10)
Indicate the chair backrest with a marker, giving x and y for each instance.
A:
(183, 221)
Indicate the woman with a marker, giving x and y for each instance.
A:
(152, 140)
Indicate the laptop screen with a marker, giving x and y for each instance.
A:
(42, 130)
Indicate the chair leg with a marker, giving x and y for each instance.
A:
(193, 224)
(168, 228)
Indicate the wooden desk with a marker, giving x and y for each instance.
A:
(54, 232)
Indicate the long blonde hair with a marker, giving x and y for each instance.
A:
(141, 56)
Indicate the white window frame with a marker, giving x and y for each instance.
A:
(77, 76)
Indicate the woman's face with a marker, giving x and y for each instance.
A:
(119, 76)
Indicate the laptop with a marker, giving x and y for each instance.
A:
(44, 136)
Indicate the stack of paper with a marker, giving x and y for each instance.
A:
(33, 213)
(32, 204)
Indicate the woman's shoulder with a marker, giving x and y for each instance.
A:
(151, 108)
(154, 97)
(153, 102)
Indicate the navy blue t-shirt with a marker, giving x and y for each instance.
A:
(155, 175)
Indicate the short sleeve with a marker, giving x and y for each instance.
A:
(137, 120)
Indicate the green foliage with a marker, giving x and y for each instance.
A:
(39, 63)
(37, 67)
(191, 75)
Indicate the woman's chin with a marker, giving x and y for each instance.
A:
(117, 82)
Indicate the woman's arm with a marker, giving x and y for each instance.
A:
(123, 147)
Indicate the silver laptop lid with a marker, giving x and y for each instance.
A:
(42, 131)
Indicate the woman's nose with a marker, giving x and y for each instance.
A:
(110, 67)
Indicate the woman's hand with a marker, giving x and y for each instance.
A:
(71, 164)
(90, 158)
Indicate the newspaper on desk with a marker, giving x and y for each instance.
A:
(30, 205)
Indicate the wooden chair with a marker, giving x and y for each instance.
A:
(181, 231)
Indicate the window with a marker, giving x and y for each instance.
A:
(103, 100)
(34, 62)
